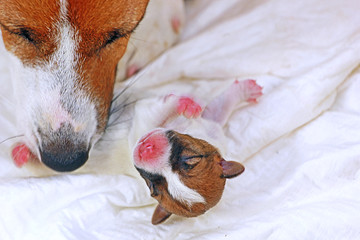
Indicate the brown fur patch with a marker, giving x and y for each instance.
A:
(95, 21)
(202, 173)
(103, 27)
(19, 18)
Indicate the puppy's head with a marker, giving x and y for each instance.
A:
(185, 175)
(65, 54)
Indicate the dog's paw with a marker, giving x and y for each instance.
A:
(188, 107)
(20, 154)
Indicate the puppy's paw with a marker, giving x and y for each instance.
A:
(176, 24)
(250, 89)
(188, 107)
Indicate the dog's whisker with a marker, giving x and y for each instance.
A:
(120, 104)
(120, 122)
(108, 139)
(9, 138)
(128, 85)
(124, 103)
(120, 93)
(117, 109)
(122, 107)
(117, 121)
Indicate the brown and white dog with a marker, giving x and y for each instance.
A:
(65, 54)
(186, 173)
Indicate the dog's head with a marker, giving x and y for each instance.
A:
(65, 55)
(185, 175)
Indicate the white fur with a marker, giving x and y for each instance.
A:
(43, 90)
(179, 191)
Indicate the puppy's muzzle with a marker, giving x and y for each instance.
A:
(64, 150)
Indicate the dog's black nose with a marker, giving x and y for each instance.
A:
(66, 160)
(63, 150)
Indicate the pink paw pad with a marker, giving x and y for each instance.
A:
(20, 154)
(188, 107)
(252, 90)
(175, 24)
(132, 70)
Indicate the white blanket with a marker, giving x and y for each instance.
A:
(300, 144)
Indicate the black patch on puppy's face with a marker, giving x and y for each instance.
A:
(153, 181)
(186, 151)
(151, 176)
(176, 150)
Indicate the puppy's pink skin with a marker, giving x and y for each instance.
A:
(150, 148)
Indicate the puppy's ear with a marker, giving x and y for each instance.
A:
(159, 215)
(231, 169)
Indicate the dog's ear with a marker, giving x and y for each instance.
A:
(231, 169)
(159, 215)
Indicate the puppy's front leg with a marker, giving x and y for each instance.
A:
(180, 105)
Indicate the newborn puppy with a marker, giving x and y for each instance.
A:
(185, 174)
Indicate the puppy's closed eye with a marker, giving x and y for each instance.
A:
(189, 162)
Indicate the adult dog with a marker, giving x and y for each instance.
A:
(65, 54)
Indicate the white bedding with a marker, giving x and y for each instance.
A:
(300, 144)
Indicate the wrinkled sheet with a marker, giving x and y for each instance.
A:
(300, 144)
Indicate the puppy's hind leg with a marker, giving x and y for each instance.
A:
(220, 108)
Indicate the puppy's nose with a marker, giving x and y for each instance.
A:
(66, 160)
(63, 150)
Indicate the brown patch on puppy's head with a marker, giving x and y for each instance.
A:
(192, 180)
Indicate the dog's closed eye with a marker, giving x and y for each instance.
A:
(114, 35)
(23, 32)
(26, 34)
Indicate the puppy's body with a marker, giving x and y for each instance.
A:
(180, 162)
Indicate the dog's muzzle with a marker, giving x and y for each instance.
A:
(64, 150)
